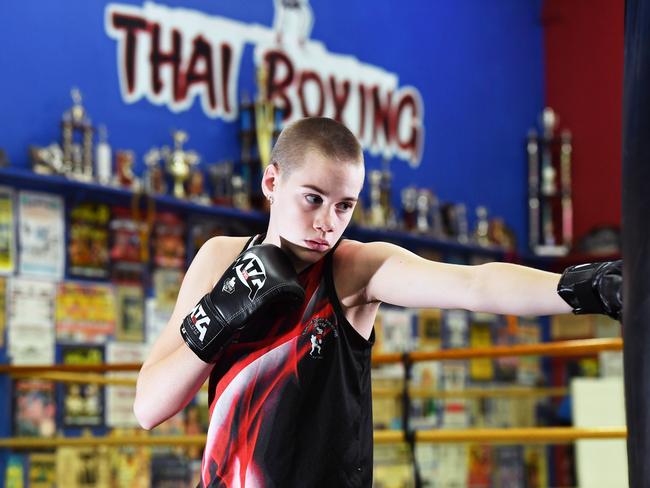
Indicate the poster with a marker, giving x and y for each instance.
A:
(7, 231)
(120, 398)
(83, 403)
(130, 310)
(41, 234)
(30, 321)
(85, 312)
(34, 408)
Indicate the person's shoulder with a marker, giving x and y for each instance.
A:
(351, 249)
(216, 254)
(355, 257)
(220, 249)
(224, 244)
(347, 248)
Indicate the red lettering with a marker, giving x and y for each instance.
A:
(202, 51)
(276, 87)
(158, 58)
(362, 111)
(339, 99)
(304, 78)
(226, 63)
(131, 25)
(413, 144)
(382, 120)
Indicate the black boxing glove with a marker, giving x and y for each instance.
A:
(594, 288)
(260, 276)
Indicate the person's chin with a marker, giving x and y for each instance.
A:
(306, 252)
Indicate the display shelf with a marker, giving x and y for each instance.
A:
(80, 190)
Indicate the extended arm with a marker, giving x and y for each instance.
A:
(397, 276)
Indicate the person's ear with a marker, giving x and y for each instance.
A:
(270, 179)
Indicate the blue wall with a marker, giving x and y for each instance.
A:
(477, 64)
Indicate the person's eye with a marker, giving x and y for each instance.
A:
(313, 199)
(345, 206)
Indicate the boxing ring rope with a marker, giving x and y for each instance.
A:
(415, 392)
(557, 348)
(528, 435)
(534, 435)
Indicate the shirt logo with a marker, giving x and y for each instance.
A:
(317, 329)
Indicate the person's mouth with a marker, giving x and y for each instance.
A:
(317, 244)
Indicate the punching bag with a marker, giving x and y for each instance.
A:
(636, 239)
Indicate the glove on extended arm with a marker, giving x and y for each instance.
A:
(594, 288)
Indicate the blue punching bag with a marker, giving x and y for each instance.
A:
(636, 239)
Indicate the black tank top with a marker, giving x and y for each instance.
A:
(290, 403)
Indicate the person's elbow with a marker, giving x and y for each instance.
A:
(143, 415)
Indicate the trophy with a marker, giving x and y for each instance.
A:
(460, 211)
(409, 215)
(124, 175)
(501, 235)
(565, 175)
(154, 175)
(385, 197)
(422, 206)
(240, 198)
(481, 232)
(196, 187)
(532, 148)
(376, 216)
(264, 118)
(77, 140)
(549, 200)
(247, 138)
(103, 157)
(221, 179)
(178, 162)
(548, 186)
(47, 160)
(455, 221)
(437, 230)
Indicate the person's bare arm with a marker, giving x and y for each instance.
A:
(400, 277)
(172, 373)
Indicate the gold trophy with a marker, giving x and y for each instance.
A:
(376, 213)
(264, 119)
(178, 162)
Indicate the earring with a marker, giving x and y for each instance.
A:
(271, 199)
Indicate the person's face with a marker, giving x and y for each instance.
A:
(313, 205)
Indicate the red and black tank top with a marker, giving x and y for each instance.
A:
(290, 401)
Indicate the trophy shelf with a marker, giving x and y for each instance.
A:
(81, 190)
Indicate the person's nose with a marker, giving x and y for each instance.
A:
(324, 221)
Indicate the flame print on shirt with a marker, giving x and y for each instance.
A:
(248, 396)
